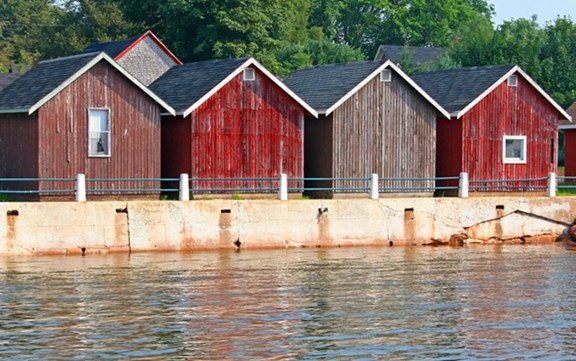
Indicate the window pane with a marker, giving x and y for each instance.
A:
(99, 125)
(515, 148)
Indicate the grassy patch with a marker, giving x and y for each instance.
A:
(566, 192)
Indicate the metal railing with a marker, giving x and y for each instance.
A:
(184, 186)
(508, 185)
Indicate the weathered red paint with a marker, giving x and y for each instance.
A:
(473, 143)
(53, 142)
(247, 129)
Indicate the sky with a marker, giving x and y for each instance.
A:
(547, 10)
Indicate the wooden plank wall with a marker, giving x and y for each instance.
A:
(19, 150)
(135, 132)
(248, 129)
(385, 128)
(570, 152)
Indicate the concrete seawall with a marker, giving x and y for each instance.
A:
(134, 226)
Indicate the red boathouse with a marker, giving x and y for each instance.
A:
(79, 114)
(503, 126)
(234, 119)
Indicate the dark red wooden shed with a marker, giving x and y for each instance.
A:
(234, 120)
(569, 129)
(80, 114)
(503, 126)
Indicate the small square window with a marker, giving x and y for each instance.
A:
(249, 74)
(98, 133)
(514, 149)
(386, 75)
(513, 81)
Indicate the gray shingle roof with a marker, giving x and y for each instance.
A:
(7, 79)
(454, 89)
(183, 85)
(111, 48)
(572, 112)
(417, 55)
(39, 81)
(322, 86)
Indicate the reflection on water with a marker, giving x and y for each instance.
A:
(496, 303)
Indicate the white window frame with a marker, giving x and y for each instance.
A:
(249, 74)
(515, 160)
(386, 75)
(102, 134)
(513, 80)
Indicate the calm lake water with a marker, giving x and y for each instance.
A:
(473, 303)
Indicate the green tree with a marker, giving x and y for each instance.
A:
(25, 26)
(276, 32)
(558, 70)
(88, 21)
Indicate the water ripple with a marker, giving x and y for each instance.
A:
(476, 303)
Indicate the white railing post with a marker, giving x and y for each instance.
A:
(552, 184)
(463, 185)
(283, 188)
(184, 188)
(80, 188)
(374, 189)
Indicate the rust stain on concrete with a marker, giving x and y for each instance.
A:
(225, 236)
(11, 230)
(409, 225)
(323, 221)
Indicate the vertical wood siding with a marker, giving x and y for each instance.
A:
(19, 150)
(134, 127)
(385, 128)
(508, 110)
(318, 154)
(570, 152)
(448, 150)
(248, 129)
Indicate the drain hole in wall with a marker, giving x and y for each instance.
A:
(122, 210)
(12, 212)
(225, 211)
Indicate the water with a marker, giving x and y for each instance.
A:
(475, 303)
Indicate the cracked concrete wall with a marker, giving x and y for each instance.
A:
(100, 227)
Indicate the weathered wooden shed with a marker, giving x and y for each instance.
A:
(144, 56)
(569, 129)
(79, 114)
(503, 126)
(234, 120)
(372, 119)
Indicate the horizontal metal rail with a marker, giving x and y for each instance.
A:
(248, 185)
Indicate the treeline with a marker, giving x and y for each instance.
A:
(287, 35)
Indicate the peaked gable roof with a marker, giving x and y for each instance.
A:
(37, 86)
(186, 87)
(417, 55)
(459, 90)
(326, 87)
(117, 49)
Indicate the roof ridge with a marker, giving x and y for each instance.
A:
(81, 55)
(215, 60)
(333, 65)
(467, 68)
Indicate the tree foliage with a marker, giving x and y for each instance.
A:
(287, 35)
(545, 53)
